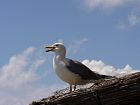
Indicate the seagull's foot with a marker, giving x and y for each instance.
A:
(72, 88)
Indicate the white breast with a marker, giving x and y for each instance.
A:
(64, 73)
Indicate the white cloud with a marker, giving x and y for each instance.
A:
(19, 71)
(132, 20)
(75, 46)
(92, 4)
(102, 68)
(133, 17)
(20, 81)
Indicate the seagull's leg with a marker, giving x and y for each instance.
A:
(74, 86)
(70, 88)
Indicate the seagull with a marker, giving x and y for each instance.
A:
(71, 71)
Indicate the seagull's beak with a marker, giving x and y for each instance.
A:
(49, 48)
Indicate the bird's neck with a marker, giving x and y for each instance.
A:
(59, 57)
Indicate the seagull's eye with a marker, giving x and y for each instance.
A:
(57, 45)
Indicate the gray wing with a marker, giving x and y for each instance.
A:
(83, 71)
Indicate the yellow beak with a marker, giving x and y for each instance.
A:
(49, 48)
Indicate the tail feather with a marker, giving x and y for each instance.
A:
(97, 76)
(106, 76)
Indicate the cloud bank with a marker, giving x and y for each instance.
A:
(132, 20)
(102, 68)
(20, 80)
(20, 71)
(92, 4)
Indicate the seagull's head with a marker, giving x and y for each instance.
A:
(57, 48)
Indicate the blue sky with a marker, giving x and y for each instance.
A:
(100, 30)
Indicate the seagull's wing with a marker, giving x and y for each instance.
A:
(82, 70)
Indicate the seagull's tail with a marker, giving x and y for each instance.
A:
(106, 76)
